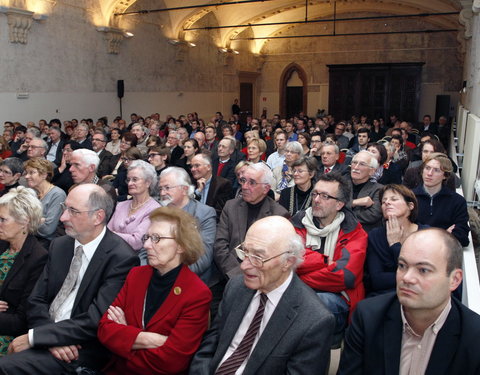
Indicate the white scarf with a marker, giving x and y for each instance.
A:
(314, 234)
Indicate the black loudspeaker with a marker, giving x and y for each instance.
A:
(120, 88)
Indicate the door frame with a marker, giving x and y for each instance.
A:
(286, 75)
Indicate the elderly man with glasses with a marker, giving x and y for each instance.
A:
(336, 247)
(269, 322)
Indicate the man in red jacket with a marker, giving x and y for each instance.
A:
(335, 246)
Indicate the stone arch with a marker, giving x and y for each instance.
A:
(285, 77)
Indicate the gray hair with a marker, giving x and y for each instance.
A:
(84, 126)
(334, 145)
(88, 156)
(267, 175)
(24, 206)
(33, 131)
(182, 177)
(148, 171)
(14, 164)
(296, 250)
(56, 128)
(373, 158)
(232, 142)
(42, 142)
(141, 126)
(99, 199)
(206, 159)
(294, 146)
(174, 133)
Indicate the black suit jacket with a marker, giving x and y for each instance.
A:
(337, 168)
(296, 339)
(373, 340)
(18, 285)
(228, 170)
(58, 153)
(219, 193)
(100, 285)
(104, 165)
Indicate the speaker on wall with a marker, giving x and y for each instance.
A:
(120, 88)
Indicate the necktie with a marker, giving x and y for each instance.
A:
(68, 284)
(233, 362)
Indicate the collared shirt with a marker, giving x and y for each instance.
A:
(204, 193)
(275, 160)
(416, 349)
(88, 252)
(273, 299)
(52, 153)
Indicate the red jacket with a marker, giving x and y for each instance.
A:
(345, 271)
(183, 317)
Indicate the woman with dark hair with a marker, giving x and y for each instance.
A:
(128, 140)
(61, 175)
(297, 197)
(120, 181)
(438, 206)
(156, 323)
(22, 259)
(376, 131)
(11, 169)
(387, 172)
(400, 210)
(304, 140)
(190, 149)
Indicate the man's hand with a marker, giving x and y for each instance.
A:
(149, 340)
(363, 202)
(201, 184)
(67, 353)
(3, 306)
(19, 344)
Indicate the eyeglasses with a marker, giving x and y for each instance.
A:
(322, 196)
(98, 140)
(250, 182)
(6, 172)
(255, 260)
(299, 171)
(155, 238)
(152, 155)
(126, 159)
(133, 179)
(73, 211)
(167, 188)
(291, 152)
(427, 168)
(31, 146)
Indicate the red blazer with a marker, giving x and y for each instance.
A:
(183, 317)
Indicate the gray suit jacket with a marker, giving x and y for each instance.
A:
(296, 339)
(232, 229)
(370, 217)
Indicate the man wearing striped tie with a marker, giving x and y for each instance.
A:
(269, 321)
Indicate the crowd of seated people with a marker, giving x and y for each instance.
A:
(184, 197)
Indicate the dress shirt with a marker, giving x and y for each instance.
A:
(275, 160)
(273, 298)
(416, 349)
(52, 153)
(88, 251)
(204, 193)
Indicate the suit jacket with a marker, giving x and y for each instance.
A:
(370, 217)
(296, 339)
(219, 192)
(228, 170)
(337, 168)
(232, 228)
(18, 285)
(102, 281)
(58, 153)
(373, 340)
(183, 317)
(104, 165)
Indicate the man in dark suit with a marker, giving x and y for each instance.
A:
(419, 329)
(84, 272)
(55, 146)
(224, 163)
(81, 136)
(214, 191)
(330, 154)
(99, 141)
(269, 322)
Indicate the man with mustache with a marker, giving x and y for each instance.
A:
(420, 329)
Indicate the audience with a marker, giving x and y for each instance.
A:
(11, 169)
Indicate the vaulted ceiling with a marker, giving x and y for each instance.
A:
(275, 16)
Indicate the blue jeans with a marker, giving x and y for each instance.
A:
(335, 303)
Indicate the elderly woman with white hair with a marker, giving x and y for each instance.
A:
(130, 219)
(283, 174)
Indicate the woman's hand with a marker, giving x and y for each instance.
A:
(149, 340)
(394, 230)
(3, 306)
(116, 314)
(63, 164)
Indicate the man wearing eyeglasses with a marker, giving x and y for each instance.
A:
(269, 322)
(335, 245)
(99, 141)
(84, 273)
(240, 213)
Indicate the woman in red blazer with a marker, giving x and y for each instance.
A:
(156, 323)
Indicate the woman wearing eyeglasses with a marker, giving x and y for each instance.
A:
(11, 169)
(119, 182)
(438, 206)
(156, 323)
(130, 219)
